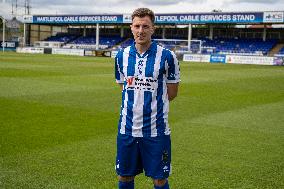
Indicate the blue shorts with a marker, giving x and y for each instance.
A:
(153, 154)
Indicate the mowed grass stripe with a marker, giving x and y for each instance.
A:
(59, 120)
(235, 149)
(83, 161)
(31, 86)
(30, 126)
(249, 118)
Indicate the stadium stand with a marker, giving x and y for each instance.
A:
(170, 44)
(167, 44)
(124, 44)
(65, 38)
(238, 46)
(229, 45)
(281, 52)
(89, 42)
(217, 45)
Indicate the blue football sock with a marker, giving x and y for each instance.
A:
(165, 186)
(126, 185)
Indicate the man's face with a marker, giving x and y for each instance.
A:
(142, 30)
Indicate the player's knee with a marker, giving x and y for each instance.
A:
(125, 178)
(160, 182)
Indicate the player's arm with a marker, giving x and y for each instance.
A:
(172, 89)
(118, 75)
(173, 76)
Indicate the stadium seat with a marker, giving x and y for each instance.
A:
(238, 46)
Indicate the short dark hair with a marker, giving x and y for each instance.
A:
(142, 12)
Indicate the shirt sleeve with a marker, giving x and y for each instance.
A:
(118, 72)
(173, 69)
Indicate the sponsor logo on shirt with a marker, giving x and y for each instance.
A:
(139, 83)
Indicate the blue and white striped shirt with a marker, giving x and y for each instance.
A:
(145, 104)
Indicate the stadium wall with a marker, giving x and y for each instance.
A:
(234, 59)
(9, 45)
(64, 51)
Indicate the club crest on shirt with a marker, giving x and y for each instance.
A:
(140, 67)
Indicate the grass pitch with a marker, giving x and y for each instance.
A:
(59, 114)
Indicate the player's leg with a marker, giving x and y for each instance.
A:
(128, 161)
(161, 184)
(126, 182)
(156, 157)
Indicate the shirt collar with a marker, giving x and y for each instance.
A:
(152, 48)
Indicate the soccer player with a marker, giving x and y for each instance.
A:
(149, 76)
